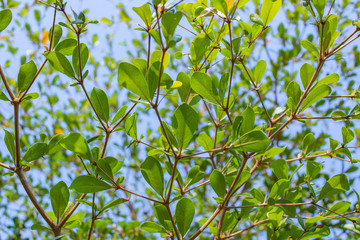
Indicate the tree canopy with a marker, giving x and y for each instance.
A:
(179, 119)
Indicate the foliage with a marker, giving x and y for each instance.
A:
(215, 125)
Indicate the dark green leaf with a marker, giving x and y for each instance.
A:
(184, 212)
(153, 174)
(101, 103)
(217, 182)
(88, 184)
(60, 63)
(185, 122)
(59, 196)
(26, 75)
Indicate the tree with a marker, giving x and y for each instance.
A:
(217, 127)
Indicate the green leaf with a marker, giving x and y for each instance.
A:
(253, 141)
(259, 70)
(248, 121)
(337, 184)
(60, 63)
(26, 75)
(77, 144)
(5, 18)
(220, 5)
(185, 122)
(204, 85)
(114, 203)
(130, 126)
(256, 19)
(88, 184)
(10, 143)
(184, 212)
(279, 188)
(308, 143)
(310, 47)
(194, 175)
(306, 73)
(339, 207)
(101, 103)
(315, 95)
(280, 168)
(105, 167)
(57, 35)
(312, 169)
(347, 135)
(275, 216)
(40, 227)
(294, 93)
(185, 87)
(152, 227)
(169, 22)
(84, 56)
(217, 182)
(269, 9)
(319, 6)
(153, 174)
(119, 114)
(66, 46)
(205, 141)
(131, 78)
(198, 48)
(3, 96)
(59, 196)
(35, 152)
(329, 79)
(144, 13)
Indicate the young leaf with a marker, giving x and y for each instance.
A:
(119, 114)
(60, 63)
(57, 35)
(217, 182)
(59, 196)
(5, 18)
(101, 103)
(84, 56)
(114, 203)
(269, 9)
(185, 122)
(144, 13)
(77, 144)
(339, 207)
(153, 174)
(205, 141)
(88, 184)
(337, 184)
(35, 152)
(310, 47)
(347, 135)
(259, 70)
(26, 75)
(131, 78)
(169, 22)
(184, 213)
